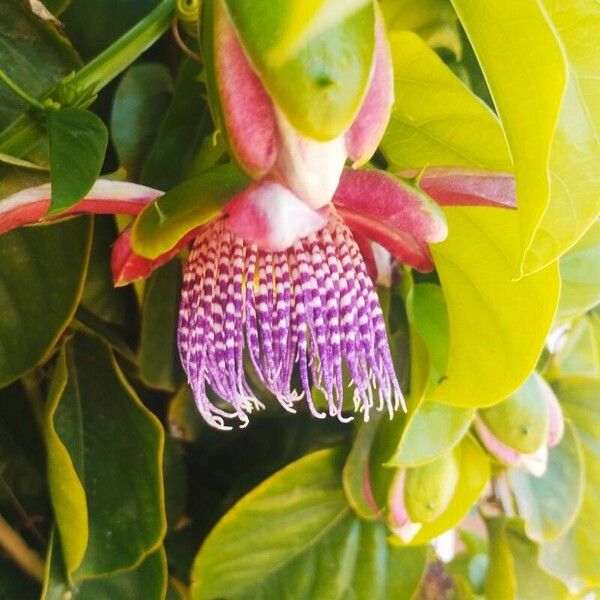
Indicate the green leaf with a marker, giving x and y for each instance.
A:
(32, 53)
(498, 326)
(549, 504)
(574, 557)
(278, 541)
(433, 20)
(100, 297)
(575, 154)
(581, 352)
(320, 89)
(138, 107)
(148, 580)
(104, 472)
(192, 203)
(436, 120)
(579, 275)
(527, 87)
(432, 430)
(42, 270)
(158, 359)
(270, 526)
(473, 476)
(513, 570)
(182, 129)
(78, 140)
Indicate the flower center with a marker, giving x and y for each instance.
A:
(312, 305)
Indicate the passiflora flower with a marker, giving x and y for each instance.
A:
(519, 430)
(269, 276)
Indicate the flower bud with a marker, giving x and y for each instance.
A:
(421, 494)
(519, 430)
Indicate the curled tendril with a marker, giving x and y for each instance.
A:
(188, 14)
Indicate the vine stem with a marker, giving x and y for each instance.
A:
(14, 545)
(23, 134)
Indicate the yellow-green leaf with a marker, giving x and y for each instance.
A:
(436, 120)
(575, 155)
(498, 326)
(525, 70)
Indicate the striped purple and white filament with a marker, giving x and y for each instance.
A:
(312, 305)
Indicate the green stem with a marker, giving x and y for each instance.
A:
(24, 133)
(19, 92)
(116, 58)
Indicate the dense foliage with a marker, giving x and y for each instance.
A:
(112, 485)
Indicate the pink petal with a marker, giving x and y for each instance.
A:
(391, 213)
(366, 249)
(247, 109)
(268, 214)
(106, 197)
(364, 135)
(127, 266)
(451, 186)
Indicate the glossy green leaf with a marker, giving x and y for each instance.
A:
(157, 356)
(14, 179)
(138, 107)
(431, 430)
(148, 580)
(573, 556)
(525, 71)
(42, 271)
(435, 120)
(581, 352)
(434, 21)
(498, 325)
(549, 504)
(270, 526)
(474, 473)
(181, 131)
(575, 154)
(32, 53)
(580, 276)
(192, 203)
(100, 466)
(513, 571)
(100, 297)
(78, 140)
(278, 541)
(321, 88)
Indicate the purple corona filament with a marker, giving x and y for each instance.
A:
(312, 306)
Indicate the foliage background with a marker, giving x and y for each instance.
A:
(107, 473)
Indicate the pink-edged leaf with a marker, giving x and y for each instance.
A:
(392, 213)
(270, 215)
(452, 186)
(106, 197)
(366, 132)
(127, 266)
(247, 109)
